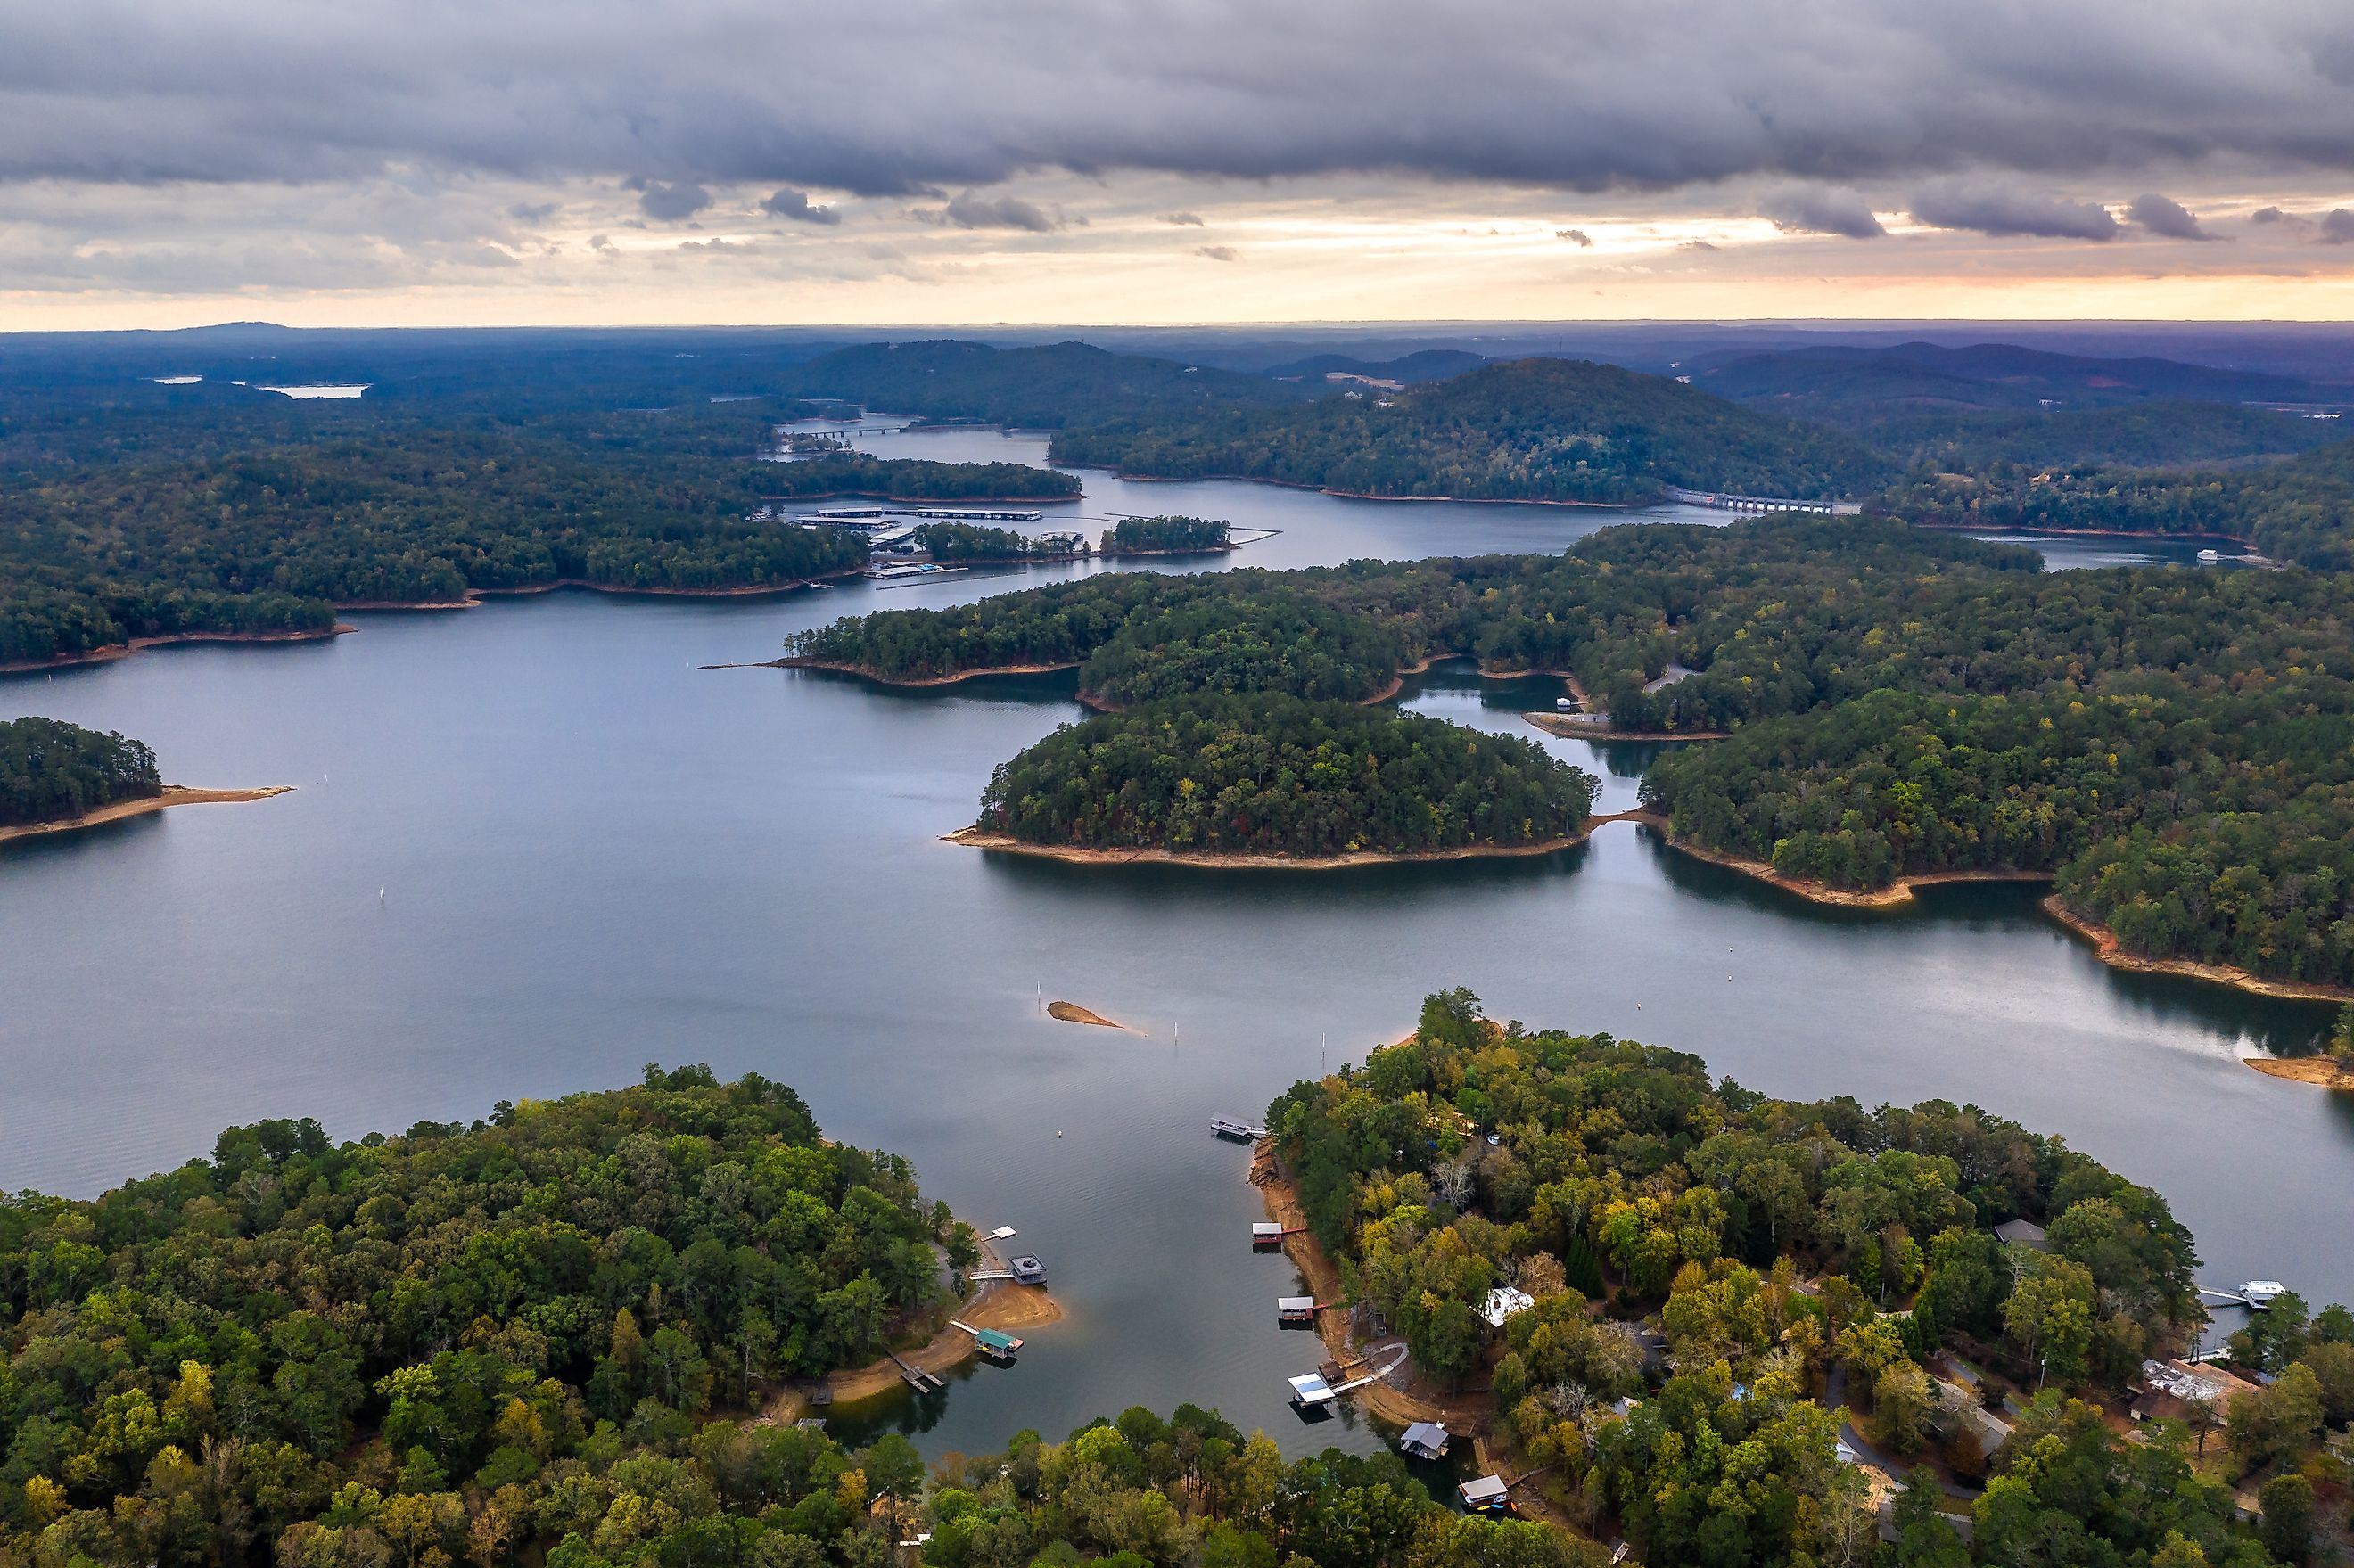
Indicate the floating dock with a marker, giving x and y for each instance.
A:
(1267, 1234)
(989, 1342)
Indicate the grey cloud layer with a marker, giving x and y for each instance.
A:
(709, 91)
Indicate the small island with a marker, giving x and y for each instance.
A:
(56, 777)
(1278, 782)
(1168, 535)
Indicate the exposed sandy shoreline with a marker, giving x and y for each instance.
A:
(1563, 726)
(976, 839)
(1897, 892)
(2327, 1072)
(115, 650)
(995, 1304)
(173, 795)
(2104, 944)
(842, 669)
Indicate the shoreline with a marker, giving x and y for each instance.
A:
(1466, 1417)
(839, 667)
(2322, 1072)
(1974, 528)
(974, 838)
(1895, 896)
(121, 810)
(1902, 891)
(1559, 726)
(115, 650)
(995, 1304)
(473, 599)
(2105, 948)
(1127, 478)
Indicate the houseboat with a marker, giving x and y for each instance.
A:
(1240, 1132)
(2261, 1293)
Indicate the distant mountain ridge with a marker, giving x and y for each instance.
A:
(1426, 364)
(1983, 375)
(1043, 387)
(1525, 430)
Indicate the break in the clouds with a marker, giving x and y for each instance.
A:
(743, 92)
(1998, 208)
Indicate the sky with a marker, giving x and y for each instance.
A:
(604, 161)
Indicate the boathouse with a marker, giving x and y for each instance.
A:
(1425, 1440)
(1027, 1270)
(1295, 1308)
(1310, 1390)
(1487, 1494)
(1266, 1233)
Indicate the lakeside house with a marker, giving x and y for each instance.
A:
(2022, 1233)
(1502, 1302)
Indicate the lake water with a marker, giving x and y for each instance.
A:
(593, 854)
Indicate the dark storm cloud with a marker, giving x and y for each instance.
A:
(2167, 218)
(1835, 93)
(672, 201)
(795, 207)
(969, 209)
(1986, 208)
(1816, 209)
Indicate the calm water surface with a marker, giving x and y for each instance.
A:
(593, 854)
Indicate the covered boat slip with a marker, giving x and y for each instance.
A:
(1295, 1308)
(1487, 1494)
(1310, 1390)
(1423, 1440)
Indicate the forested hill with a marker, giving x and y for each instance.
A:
(1278, 776)
(1044, 387)
(1806, 1264)
(269, 541)
(536, 1337)
(1532, 429)
(52, 771)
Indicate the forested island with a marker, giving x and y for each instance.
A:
(977, 542)
(268, 543)
(1166, 535)
(53, 771)
(913, 478)
(2168, 747)
(1278, 779)
(1536, 430)
(537, 1337)
(1717, 1286)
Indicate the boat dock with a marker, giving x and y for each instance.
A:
(1267, 1234)
(1318, 1388)
(991, 1342)
(917, 1377)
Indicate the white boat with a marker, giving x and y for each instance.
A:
(1564, 705)
(2261, 1293)
(2209, 557)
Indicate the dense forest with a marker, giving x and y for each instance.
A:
(1278, 775)
(913, 478)
(533, 1338)
(1165, 535)
(1720, 1279)
(53, 771)
(270, 541)
(2171, 747)
(1534, 430)
(1045, 386)
(977, 542)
